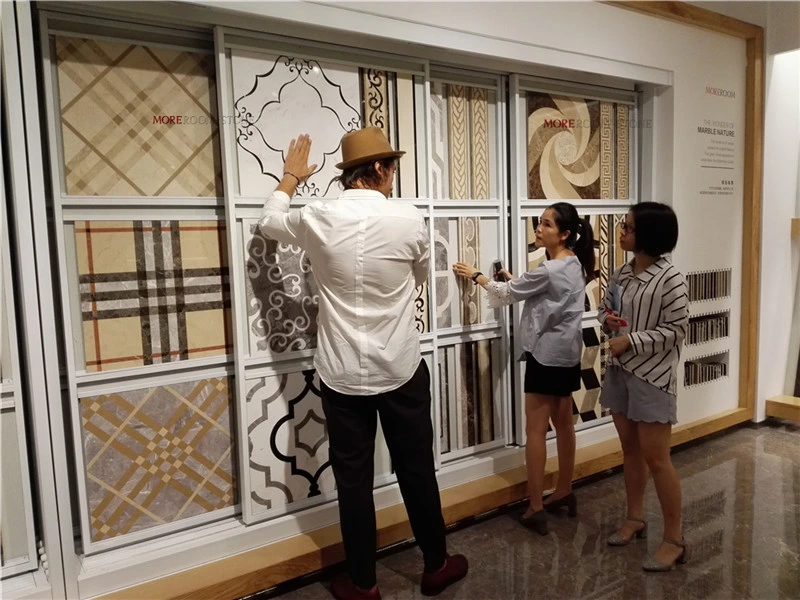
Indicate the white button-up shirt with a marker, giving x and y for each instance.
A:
(368, 254)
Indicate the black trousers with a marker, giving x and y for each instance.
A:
(405, 415)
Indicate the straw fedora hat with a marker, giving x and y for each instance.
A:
(364, 145)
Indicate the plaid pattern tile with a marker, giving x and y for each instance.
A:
(152, 292)
(156, 456)
(113, 97)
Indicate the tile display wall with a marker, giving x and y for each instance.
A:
(586, 401)
(152, 292)
(283, 298)
(113, 98)
(462, 135)
(277, 97)
(577, 148)
(471, 240)
(158, 291)
(155, 456)
(471, 412)
(282, 294)
(288, 441)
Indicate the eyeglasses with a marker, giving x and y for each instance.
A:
(627, 228)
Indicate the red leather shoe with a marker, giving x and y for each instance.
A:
(455, 569)
(344, 589)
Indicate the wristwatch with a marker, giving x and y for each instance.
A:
(475, 276)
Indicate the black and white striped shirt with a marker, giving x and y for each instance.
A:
(654, 303)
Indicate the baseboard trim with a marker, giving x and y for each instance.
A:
(784, 407)
(263, 568)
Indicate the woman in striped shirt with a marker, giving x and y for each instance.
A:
(645, 311)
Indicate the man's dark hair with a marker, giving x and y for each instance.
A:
(656, 228)
(365, 173)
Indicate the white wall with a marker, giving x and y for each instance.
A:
(778, 335)
(779, 322)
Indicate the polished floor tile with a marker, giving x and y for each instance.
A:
(741, 499)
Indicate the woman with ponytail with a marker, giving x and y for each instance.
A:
(551, 336)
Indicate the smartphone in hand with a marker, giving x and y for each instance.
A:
(497, 265)
(615, 296)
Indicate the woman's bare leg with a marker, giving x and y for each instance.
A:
(655, 443)
(635, 473)
(537, 417)
(561, 413)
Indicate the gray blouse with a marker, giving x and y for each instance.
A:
(550, 328)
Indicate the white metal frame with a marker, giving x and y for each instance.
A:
(11, 396)
(239, 207)
(494, 208)
(68, 209)
(37, 339)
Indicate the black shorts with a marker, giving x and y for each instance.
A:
(550, 381)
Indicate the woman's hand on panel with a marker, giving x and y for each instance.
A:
(464, 270)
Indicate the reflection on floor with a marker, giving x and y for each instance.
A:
(741, 498)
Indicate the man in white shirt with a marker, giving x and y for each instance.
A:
(368, 254)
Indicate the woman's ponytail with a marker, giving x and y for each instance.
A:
(584, 248)
(581, 236)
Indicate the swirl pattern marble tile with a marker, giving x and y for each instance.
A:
(282, 295)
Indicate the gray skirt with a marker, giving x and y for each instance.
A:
(624, 393)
